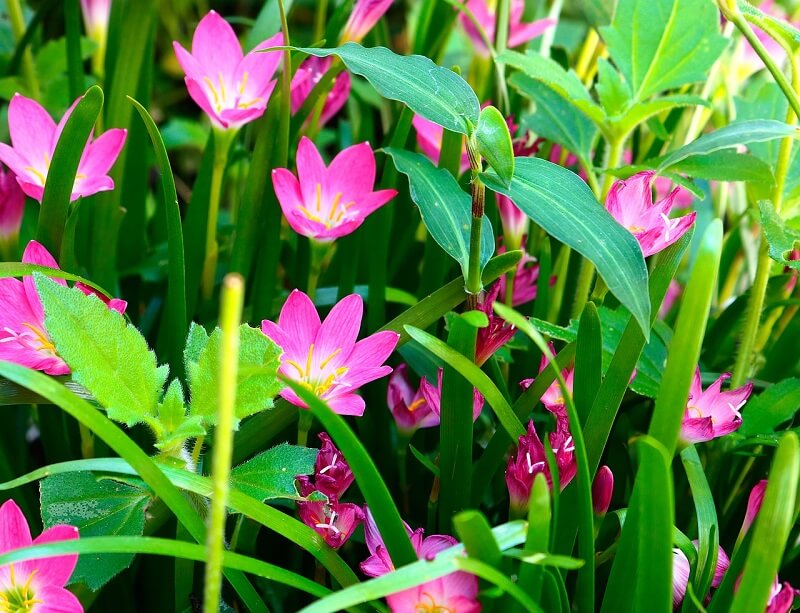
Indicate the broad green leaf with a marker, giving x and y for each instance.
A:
(435, 93)
(646, 111)
(445, 208)
(257, 383)
(614, 93)
(494, 142)
(663, 44)
(726, 165)
(564, 206)
(107, 356)
(271, 474)
(97, 506)
(174, 426)
(476, 534)
(781, 238)
(772, 407)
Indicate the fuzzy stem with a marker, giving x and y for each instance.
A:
(222, 144)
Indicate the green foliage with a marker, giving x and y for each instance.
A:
(271, 474)
(494, 142)
(771, 408)
(174, 426)
(781, 237)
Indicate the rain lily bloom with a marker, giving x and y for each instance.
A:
(365, 15)
(429, 139)
(515, 222)
(456, 592)
(332, 474)
(631, 203)
(328, 202)
(712, 413)
(35, 585)
(408, 406)
(602, 490)
(433, 396)
(497, 333)
(525, 280)
(324, 356)
(12, 206)
(519, 33)
(95, 18)
(333, 520)
(681, 570)
(34, 135)
(754, 504)
(309, 73)
(553, 398)
(230, 87)
(781, 597)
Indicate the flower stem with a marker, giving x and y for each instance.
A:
(222, 144)
(17, 20)
(230, 318)
(303, 426)
(474, 284)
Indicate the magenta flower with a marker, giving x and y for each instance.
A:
(328, 202)
(497, 333)
(663, 188)
(712, 413)
(681, 570)
(35, 585)
(429, 139)
(525, 281)
(408, 406)
(232, 88)
(363, 18)
(519, 33)
(34, 135)
(309, 73)
(754, 501)
(781, 597)
(553, 398)
(332, 474)
(602, 490)
(333, 520)
(433, 396)
(324, 356)
(515, 222)
(12, 206)
(631, 203)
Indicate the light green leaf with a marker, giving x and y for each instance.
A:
(771, 408)
(271, 474)
(726, 165)
(174, 426)
(615, 95)
(107, 356)
(494, 142)
(662, 44)
(644, 111)
(445, 208)
(781, 238)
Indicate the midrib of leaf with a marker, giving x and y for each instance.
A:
(664, 36)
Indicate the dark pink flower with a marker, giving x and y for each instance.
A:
(781, 597)
(408, 406)
(526, 280)
(497, 333)
(324, 356)
(433, 396)
(515, 222)
(333, 520)
(553, 398)
(519, 33)
(602, 490)
(363, 18)
(754, 502)
(681, 570)
(429, 139)
(332, 474)
(712, 413)
(12, 206)
(308, 74)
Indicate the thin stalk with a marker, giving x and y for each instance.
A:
(549, 34)
(230, 318)
(222, 144)
(15, 16)
(474, 284)
(320, 19)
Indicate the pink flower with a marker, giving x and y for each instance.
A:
(663, 187)
(363, 18)
(497, 333)
(631, 203)
(308, 75)
(232, 88)
(781, 597)
(553, 399)
(712, 413)
(332, 474)
(456, 592)
(433, 396)
(12, 206)
(429, 139)
(602, 490)
(408, 406)
(95, 16)
(324, 356)
(333, 520)
(515, 222)
(681, 570)
(525, 281)
(518, 33)
(328, 202)
(35, 585)
(34, 135)
(754, 502)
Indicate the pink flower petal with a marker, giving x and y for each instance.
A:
(349, 404)
(339, 331)
(215, 46)
(101, 154)
(32, 130)
(56, 571)
(299, 318)
(57, 600)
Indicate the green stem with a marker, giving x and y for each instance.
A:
(222, 144)
(474, 284)
(321, 19)
(303, 426)
(15, 16)
(230, 317)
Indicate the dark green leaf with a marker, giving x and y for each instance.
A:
(494, 142)
(775, 405)
(271, 474)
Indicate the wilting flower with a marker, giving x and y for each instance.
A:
(781, 597)
(456, 592)
(309, 73)
(324, 356)
(631, 203)
(332, 474)
(433, 396)
(327, 202)
(363, 18)
(12, 206)
(333, 520)
(34, 135)
(519, 33)
(754, 501)
(681, 570)
(232, 88)
(35, 585)
(712, 413)
(526, 280)
(602, 490)
(23, 337)
(515, 222)
(553, 398)
(497, 333)
(429, 139)
(408, 406)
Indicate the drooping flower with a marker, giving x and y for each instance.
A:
(681, 570)
(332, 474)
(433, 396)
(429, 139)
(519, 33)
(34, 135)
(553, 398)
(363, 18)
(526, 280)
(231, 88)
(333, 520)
(408, 406)
(308, 74)
(712, 413)
(781, 597)
(602, 490)
(35, 585)
(328, 202)
(754, 501)
(456, 592)
(12, 206)
(515, 222)
(631, 204)
(324, 356)
(497, 333)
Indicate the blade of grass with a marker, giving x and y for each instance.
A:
(588, 360)
(72, 27)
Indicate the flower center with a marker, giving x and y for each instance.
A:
(532, 466)
(41, 173)
(428, 605)
(315, 379)
(333, 216)
(16, 597)
(220, 94)
(33, 338)
(694, 412)
(416, 404)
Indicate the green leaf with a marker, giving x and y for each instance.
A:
(781, 238)
(476, 534)
(271, 474)
(435, 93)
(775, 405)
(564, 206)
(588, 360)
(726, 165)
(494, 142)
(174, 426)
(97, 506)
(445, 208)
(613, 92)
(777, 28)
(663, 44)
(645, 111)
(256, 384)
(107, 356)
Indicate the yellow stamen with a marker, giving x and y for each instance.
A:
(45, 344)
(244, 105)
(213, 93)
(221, 85)
(327, 360)
(310, 215)
(319, 196)
(38, 174)
(310, 357)
(416, 404)
(335, 204)
(295, 365)
(243, 84)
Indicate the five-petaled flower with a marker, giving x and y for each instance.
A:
(630, 202)
(324, 356)
(324, 203)
(484, 12)
(35, 585)
(231, 88)
(711, 413)
(407, 405)
(34, 135)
